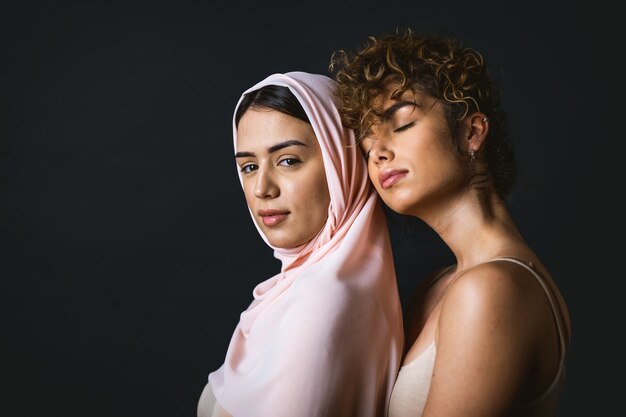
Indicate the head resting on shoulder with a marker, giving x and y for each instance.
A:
(444, 68)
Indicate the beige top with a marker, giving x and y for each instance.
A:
(410, 391)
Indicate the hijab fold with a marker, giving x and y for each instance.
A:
(324, 336)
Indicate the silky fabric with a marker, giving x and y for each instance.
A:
(324, 336)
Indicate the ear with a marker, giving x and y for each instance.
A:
(476, 129)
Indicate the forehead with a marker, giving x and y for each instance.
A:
(393, 92)
(263, 127)
(394, 102)
(389, 94)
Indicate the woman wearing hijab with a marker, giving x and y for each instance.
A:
(323, 337)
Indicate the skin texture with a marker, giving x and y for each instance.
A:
(497, 342)
(283, 172)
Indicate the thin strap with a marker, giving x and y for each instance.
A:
(555, 311)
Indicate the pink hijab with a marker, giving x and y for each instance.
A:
(324, 336)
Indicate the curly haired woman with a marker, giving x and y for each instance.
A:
(488, 335)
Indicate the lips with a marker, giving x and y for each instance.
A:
(273, 217)
(389, 177)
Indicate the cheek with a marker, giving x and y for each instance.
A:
(248, 193)
(372, 173)
(313, 191)
(313, 198)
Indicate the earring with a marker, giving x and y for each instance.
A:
(472, 155)
(485, 120)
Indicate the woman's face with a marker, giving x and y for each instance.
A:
(410, 159)
(284, 181)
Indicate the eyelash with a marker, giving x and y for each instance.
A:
(248, 168)
(295, 161)
(398, 130)
(403, 128)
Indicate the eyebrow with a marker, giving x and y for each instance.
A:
(388, 112)
(273, 148)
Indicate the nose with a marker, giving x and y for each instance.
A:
(380, 152)
(265, 186)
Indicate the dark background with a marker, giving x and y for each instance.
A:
(127, 249)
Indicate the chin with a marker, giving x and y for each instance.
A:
(283, 243)
(402, 204)
(397, 206)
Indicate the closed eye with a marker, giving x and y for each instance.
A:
(405, 127)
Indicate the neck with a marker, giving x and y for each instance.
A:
(475, 229)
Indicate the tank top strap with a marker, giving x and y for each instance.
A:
(555, 310)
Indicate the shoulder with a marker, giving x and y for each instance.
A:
(493, 284)
(492, 296)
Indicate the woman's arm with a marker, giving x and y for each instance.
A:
(486, 339)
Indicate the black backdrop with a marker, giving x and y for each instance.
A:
(127, 250)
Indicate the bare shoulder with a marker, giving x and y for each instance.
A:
(512, 290)
(500, 294)
(499, 313)
(492, 281)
